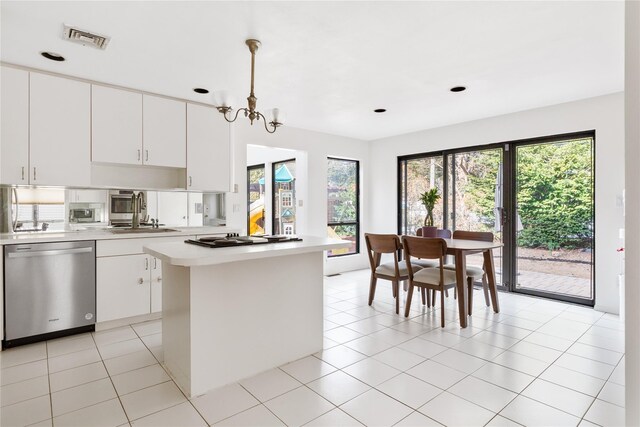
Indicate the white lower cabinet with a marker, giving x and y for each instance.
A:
(122, 287)
(129, 285)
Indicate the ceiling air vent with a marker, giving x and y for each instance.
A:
(85, 37)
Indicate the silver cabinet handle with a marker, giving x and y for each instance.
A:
(190, 181)
(140, 281)
(146, 155)
(146, 263)
(34, 173)
(155, 263)
(159, 279)
(138, 155)
(23, 173)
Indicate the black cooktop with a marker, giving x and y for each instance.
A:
(234, 239)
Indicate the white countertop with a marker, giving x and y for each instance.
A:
(104, 234)
(186, 255)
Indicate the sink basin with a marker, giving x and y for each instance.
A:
(140, 230)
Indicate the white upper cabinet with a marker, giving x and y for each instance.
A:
(164, 132)
(60, 131)
(116, 132)
(14, 125)
(208, 149)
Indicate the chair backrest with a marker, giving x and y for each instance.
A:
(427, 232)
(429, 248)
(378, 244)
(483, 236)
(443, 234)
(433, 232)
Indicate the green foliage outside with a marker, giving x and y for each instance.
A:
(555, 195)
(342, 195)
(554, 192)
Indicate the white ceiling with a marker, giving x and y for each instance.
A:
(327, 65)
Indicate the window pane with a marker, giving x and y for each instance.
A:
(255, 200)
(344, 232)
(341, 191)
(416, 177)
(342, 203)
(284, 197)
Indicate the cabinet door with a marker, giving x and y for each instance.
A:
(156, 284)
(122, 286)
(173, 208)
(164, 132)
(60, 126)
(14, 126)
(91, 196)
(208, 149)
(116, 131)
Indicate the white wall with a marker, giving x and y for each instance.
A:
(316, 147)
(605, 114)
(632, 292)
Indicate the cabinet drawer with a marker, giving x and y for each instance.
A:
(131, 246)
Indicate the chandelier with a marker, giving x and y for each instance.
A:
(251, 112)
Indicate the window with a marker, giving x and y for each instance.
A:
(255, 200)
(287, 199)
(343, 204)
(283, 181)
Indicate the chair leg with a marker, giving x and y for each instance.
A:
(372, 289)
(393, 291)
(428, 292)
(424, 298)
(470, 294)
(396, 287)
(408, 303)
(446, 293)
(433, 298)
(485, 288)
(442, 308)
(405, 285)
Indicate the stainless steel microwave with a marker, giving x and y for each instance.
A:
(121, 208)
(83, 215)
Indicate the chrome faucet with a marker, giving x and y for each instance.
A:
(137, 201)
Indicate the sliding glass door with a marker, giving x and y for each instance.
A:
(554, 208)
(475, 197)
(536, 196)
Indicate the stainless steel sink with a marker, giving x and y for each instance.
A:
(140, 230)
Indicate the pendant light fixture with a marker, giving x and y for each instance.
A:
(250, 112)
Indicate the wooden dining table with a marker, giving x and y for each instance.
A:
(460, 248)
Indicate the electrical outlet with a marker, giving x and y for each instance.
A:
(235, 188)
(300, 204)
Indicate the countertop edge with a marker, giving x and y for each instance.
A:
(207, 256)
(69, 236)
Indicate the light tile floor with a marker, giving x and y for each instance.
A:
(537, 363)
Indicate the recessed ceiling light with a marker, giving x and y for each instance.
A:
(200, 90)
(52, 56)
(458, 89)
(379, 110)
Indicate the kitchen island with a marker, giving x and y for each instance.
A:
(230, 313)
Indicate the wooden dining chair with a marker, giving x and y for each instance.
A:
(474, 273)
(378, 244)
(437, 279)
(442, 233)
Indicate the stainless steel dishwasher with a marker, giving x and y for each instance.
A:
(50, 290)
